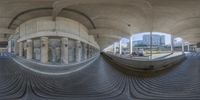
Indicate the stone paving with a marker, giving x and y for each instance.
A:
(101, 80)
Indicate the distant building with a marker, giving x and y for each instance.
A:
(138, 42)
(157, 40)
(162, 40)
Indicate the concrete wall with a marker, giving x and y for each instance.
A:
(63, 27)
(53, 41)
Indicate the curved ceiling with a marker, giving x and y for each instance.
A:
(109, 20)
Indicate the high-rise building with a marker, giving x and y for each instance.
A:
(157, 40)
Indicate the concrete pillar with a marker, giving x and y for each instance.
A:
(29, 49)
(131, 45)
(151, 45)
(172, 44)
(9, 46)
(20, 49)
(16, 48)
(114, 48)
(44, 49)
(188, 47)
(183, 44)
(78, 51)
(64, 50)
(90, 52)
(85, 51)
(120, 47)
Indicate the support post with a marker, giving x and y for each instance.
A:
(44, 49)
(120, 47)
(151, 42)
(131, 45)
(183, 44)
(20, 49)
(85, 51)
(78, 51)
(114, 47)
(29, 49)
(172, 44)
(64, 50)
(188, 47)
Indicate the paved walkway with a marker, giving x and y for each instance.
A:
(102, 80)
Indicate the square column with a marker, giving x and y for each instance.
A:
(9, 46)
(131, 45)
(29, 49)
(90, 51)
(172, 44)
(85, 51)
(183, 44)
(115, 48)
(188, 47)
(64, 50)
(78, 51)
(20, 49)
(44, 49)
(88, 47)
(120, 47)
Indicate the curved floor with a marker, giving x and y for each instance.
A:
(101, 81)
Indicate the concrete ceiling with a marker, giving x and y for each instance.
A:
(109, 20)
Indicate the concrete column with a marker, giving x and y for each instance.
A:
(85, 51)
(90, 52)
(120, 47)
(183, 44)
(131, 45)
(16, 48)
(9, 46)
(29, 49)
(188, 47)
(78, 51)
(64, 50)
(44, 49)
(114, 48)
(20, 49)
(151, 45)
(172, 44)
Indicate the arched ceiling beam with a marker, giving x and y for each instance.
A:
(37, 9)
(111, 31)
(59, 5)
(82, 14)
(25, 12)
(110, 36)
